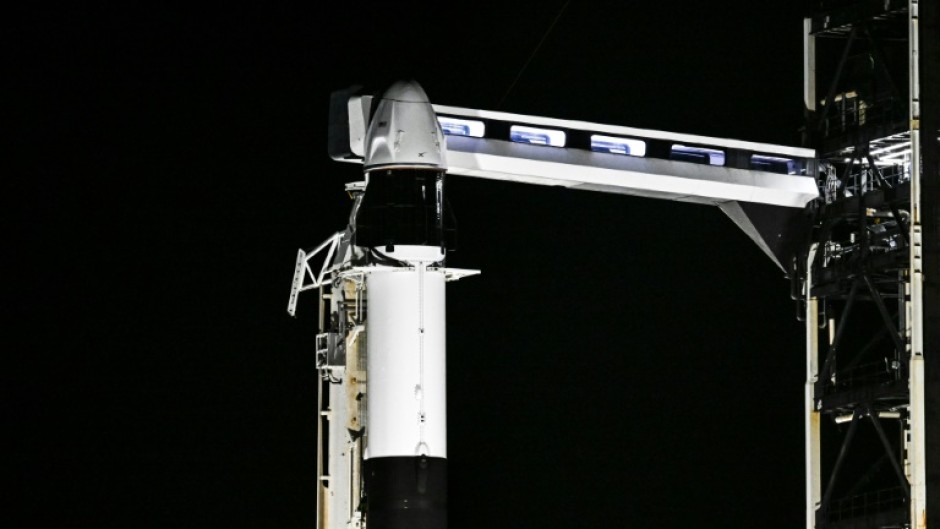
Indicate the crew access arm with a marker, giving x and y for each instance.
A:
(762, 187)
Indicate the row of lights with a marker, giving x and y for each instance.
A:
(611, 144)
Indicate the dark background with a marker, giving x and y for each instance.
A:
(620, 361)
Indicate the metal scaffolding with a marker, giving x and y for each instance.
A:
(869, 407)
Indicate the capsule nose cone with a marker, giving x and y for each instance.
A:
(406, 92)
(404, 132)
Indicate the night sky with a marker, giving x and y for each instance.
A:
(620, 362)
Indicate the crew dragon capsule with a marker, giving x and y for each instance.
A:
(382, 456)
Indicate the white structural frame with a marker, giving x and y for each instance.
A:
(811, 414)
(302, 270)
(811, 417)
(917, 452)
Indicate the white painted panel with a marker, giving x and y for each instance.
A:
(399, 307)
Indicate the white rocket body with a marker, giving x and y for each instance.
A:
(406, 363)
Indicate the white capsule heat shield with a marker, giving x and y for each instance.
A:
(406, 363)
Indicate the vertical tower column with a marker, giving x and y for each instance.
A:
(869, 374)
(811, 415)
(928, 26)
(925, 265)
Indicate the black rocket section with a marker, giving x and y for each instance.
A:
(406, 492)
(405, 206)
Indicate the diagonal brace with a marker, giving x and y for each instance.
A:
(876, 422)
(840, 331)
(883, 310)
(827, 496)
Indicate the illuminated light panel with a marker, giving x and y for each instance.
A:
(536, 136)
(697, 154)
(616, 145)
(773, 164)
(462, 127)
(889, 148)
(896, 155)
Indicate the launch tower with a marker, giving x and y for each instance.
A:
(868, 274)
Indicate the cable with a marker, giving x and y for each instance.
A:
(536, 50)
